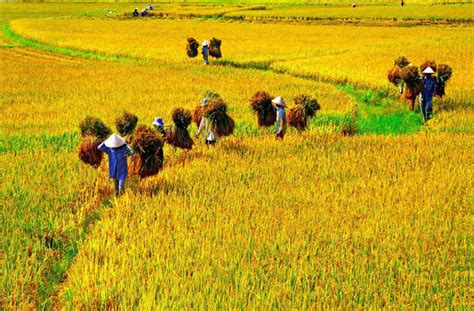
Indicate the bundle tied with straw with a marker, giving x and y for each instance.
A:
(147, 159)
(93, 132)
(192, 47)
(414, 84)
(221, 123)
(261, 103)
(305, 108)
(444, 74)
(94, 126)
(89, 152)
(126, 123)
(395, 74)
(215, 48)
(178, 136)
(200, 110)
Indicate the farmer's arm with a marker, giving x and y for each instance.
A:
(102, 147)
(129, 151)
(201, 126)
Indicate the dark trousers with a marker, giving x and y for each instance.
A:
(119, 186)
(426, 107)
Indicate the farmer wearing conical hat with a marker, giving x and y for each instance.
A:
(280, 117)
(205, 126)
(160, 126)
(429, 90)
(205, 51)
(118, 151)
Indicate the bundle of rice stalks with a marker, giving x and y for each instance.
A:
(309, 104)
(428, 63)
(88, 151)
(211, 95)
(413, 82)
(192, 47)
(394, 76)
(126, 123)
(178, 136)
(261, 103)
(444, 74)
(215, 48)
(221, 123)
(94, 126)
(147, 159)
(298, 118)
(198, 114)
(401, 62)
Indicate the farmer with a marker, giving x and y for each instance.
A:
(144, 12)
(160, 126)
(135, 12)
(205, 51)
(204, 125)
(150, 7)
(118, 151)
(280, 117)
(429, 90)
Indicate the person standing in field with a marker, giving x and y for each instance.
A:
(280, 117)
(150, 7)
(144, 12)
(205, 51)
(135, 12)
(204, 126)
(118, 151)
(429, 90)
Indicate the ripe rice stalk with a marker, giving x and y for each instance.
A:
(94, 126)
(211, 94)
(192, 47)
(215, 48)
(298, 118)
(401, 62)
(88, 152)
(126, 123)
(198, 114)
(444, 74)
(147, 159)
(221, 123)
(394, 76)
(178, 136)
(261, 103)
(411, 77)
(309, 104)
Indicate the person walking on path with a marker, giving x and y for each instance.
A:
(118, 151)
(280, 117)
(205, 126)
(429, 90)
(205, 51)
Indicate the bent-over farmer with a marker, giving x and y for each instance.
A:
(118, 151)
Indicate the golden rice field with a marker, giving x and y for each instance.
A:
(379, 219)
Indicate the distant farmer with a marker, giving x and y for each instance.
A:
(150, 7)
(354, 5)
(403, 2)
(118, 151)
(144, 12)
(160, 126)
(205, 51)
(205, 126)
(429, 90)
(280, 117)
(135, 12)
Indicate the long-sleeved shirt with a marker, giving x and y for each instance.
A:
(280, 120)
(205, 126)
(429, 88)
(205, 50)
(118, 168)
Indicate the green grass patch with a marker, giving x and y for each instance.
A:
(16, 143)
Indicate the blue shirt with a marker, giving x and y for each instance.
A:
(429, 88)
(205, 50)
(280, 120)
(118, 168)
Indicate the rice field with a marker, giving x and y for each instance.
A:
(377, 219)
